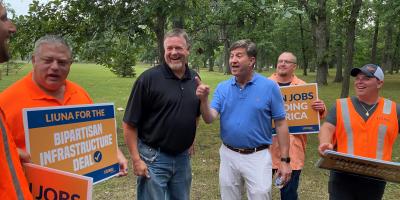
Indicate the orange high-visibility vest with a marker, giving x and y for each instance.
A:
(373, 138)
(13, 184)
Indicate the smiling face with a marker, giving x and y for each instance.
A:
(176, 53)
(286, 64)
(51, 64)
(241, 64)
(6, 29)
(365, 86)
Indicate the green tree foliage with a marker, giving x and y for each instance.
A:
(118, 33)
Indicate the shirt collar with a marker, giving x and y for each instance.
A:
(37, 93)
(251, 82)
(170, 75)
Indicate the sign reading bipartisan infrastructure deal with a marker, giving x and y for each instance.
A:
(301, 118)
(379, 169)
(78, 139)
(48, 183)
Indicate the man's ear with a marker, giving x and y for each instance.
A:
(253, 61)
(380, 84)
(33, 59)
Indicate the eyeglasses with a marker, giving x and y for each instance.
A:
(285, 62)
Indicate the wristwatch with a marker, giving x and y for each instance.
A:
(286, 160)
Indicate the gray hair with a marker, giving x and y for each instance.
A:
(178, 32)
(52, 39)
(251, 48)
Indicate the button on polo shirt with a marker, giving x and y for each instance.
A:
(164, 109)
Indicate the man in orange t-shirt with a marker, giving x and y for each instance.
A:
(13, 184)
(45, 86)
(285, 76)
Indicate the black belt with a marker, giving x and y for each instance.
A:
(248, 150)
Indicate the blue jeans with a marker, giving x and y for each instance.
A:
(289, 191)
(170, 175)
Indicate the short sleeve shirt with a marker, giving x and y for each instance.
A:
(164, 109)
(247, 113)
(26, 94)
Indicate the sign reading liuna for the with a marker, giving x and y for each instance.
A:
(80, 139)
(389, 171)
(301, 118)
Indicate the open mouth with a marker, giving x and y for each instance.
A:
(53, 77)
(361, 87)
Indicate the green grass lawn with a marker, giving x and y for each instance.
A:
(103, 86)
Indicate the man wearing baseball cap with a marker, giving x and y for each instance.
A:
(364, 125)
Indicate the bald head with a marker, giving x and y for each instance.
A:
(286, 64)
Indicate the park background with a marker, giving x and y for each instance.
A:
(104, 86)
(112, 39)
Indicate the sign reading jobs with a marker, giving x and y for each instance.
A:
(48, 183)
(79, 139)
(301, 118)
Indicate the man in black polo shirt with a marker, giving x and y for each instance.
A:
(160, 123)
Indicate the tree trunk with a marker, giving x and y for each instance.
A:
(159, 31)
(226, 57)
(7, 68)
(317, 31)
(396, 54)
(387, 54)
(350, 33)
(303, 47)
(224, 38)
(375, 39)
(262, 60)
(322, 35)
(339, 44)
(211, 63)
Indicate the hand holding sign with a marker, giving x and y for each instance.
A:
(123, 164)
(24, 156)
(318, 105)
(323, 147)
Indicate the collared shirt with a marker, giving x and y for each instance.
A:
(247, 113)
(298, 142)
(164, 109)
(26, 94)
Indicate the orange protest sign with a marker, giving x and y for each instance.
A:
(79, 139)
(301, 118)
(48, 183)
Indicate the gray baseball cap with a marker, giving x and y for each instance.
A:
(370, 70)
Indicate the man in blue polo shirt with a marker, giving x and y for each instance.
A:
(247, 103)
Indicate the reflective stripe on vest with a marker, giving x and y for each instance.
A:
(387, 108)
(347, 125)
(10, 164)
